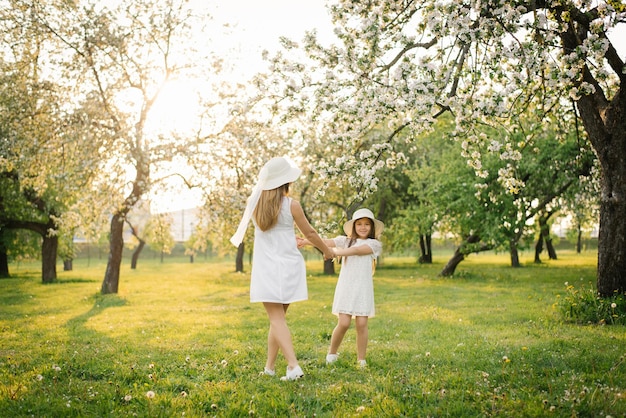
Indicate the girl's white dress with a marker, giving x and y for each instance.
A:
(278, 269)
(354, 294)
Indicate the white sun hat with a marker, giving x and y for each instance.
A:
(364, 213)
(278, 171)
(275, 173)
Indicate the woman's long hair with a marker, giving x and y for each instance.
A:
(267, 210)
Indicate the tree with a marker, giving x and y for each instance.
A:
(159, 233)
(47, 150)
(122, 58)
(483, 61)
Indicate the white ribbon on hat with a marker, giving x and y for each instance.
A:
(252, 202)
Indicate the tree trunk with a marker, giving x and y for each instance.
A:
(514, 255)
(426, 256)
(49, 258)
(453, 263)
(548, 239)
(461, 252)
(239, 258)
(611, 278)
(605, 124)
(611, 151)
(68, 264)
(135, 256)
(191, 258)
(329, 267)
(4, 263)
(579, 238)
(111, 280)
(538, 249)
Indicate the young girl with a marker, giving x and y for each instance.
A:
(278, 275)
(354, 294)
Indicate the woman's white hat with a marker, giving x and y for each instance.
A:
(364, 213)
(278, 171)
(275, 173)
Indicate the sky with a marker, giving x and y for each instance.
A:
(258, 24)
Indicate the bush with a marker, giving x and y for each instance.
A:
(585, 306)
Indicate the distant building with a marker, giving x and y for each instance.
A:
(184, 222)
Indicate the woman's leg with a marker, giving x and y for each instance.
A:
(272, 347)
(361, 336)
(279, 336)
(343, 324)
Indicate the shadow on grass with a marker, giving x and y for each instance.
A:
(69, 281)
(77, 326)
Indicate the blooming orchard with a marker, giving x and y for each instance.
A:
(490, 63)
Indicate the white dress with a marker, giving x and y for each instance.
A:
(354, 294)
(278, 269)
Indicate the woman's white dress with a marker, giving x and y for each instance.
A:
(354, 293)
(278, 269)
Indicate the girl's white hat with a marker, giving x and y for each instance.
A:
(364, 213)
(275, 173)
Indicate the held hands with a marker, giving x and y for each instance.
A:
(302, 242)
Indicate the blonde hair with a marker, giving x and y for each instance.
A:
(267, 210)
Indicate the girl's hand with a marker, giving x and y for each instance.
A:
(301, 242)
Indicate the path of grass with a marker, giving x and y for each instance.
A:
(485, 343)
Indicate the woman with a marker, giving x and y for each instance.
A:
(278, 270)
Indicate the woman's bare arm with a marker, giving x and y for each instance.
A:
(307, 230)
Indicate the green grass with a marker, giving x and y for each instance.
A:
(488, 342)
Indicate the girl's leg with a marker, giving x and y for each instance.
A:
(279, 336)
(343, 323)
(361, 336)
(272, 347)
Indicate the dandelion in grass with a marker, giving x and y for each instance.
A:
(183, 394)
(506, 359)
(150, 376)
(39, 377)
(427, 354)
(224, 363)
(613, 305)
(360, 409)
(151, 366)
(150, 394)
(56, 368)
(213, 406)
(236, 352)
(127, 398)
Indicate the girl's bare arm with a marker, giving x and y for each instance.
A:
(360, 250)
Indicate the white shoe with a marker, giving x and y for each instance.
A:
(331, 358)
(293, 374)
(269, 372)
(362, 364)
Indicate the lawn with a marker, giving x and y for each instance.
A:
(183, 339)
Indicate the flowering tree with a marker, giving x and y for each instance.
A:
(48, 149)
(121, 56)
(404, 63)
